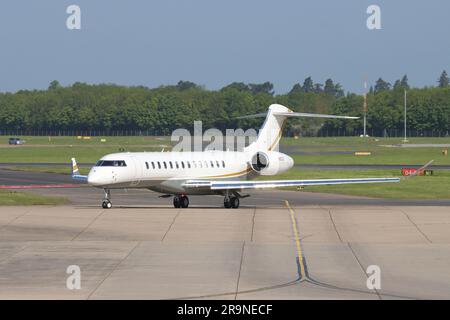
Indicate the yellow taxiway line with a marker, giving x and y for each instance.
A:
(301, 260)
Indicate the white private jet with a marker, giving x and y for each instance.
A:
(225, 173)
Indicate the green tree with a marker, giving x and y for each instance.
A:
(402, 84)
(382, 85)
(296, 88)
(240, 86)
(160, 110)
(54, 85)
(339, 91)
(266, 87)
(185, 85)
(308, 85)
(318, 88)
(443, 80)
(329, 87)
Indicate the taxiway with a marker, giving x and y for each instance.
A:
(143, 248)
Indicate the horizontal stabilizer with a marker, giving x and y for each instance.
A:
(311, 115)
(297, 115)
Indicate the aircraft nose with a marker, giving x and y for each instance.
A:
(93, 179)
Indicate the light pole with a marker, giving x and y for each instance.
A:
(405, 139)
(365, 109)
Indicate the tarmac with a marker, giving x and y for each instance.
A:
(143, 252)
(278, 245)
(141, 197)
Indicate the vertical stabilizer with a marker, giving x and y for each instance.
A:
(270, 133)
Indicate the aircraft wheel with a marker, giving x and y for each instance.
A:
(184, 202)
(176, 202)
(106, 204)
(235, 202)
(227, 203)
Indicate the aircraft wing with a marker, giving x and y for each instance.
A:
(267, 184)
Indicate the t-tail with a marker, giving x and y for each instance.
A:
(76, 172)
(271, 131)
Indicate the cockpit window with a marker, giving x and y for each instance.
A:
(111, 163)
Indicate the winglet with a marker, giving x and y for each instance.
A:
(420, 169)
(429, 163)
(76, 172)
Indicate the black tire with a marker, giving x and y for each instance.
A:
(176, 202)
(235, 202)
(184, 202)
(227, 203)
(106, 204)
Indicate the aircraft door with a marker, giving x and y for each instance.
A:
(137, 174)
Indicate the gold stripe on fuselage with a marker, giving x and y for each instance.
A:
(229, 175)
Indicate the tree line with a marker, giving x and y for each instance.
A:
(161, 110)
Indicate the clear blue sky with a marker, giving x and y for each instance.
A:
(216, 42)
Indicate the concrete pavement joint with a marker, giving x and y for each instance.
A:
(240, 269)
(334, 225)
(89, 225)
(113, 269)
(253, 224)
(170, 226)
(362, 268)
(14, 219)
(14, 254)
(417, 227)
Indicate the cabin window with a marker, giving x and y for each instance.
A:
(194, 165)
(188, 164)
(217, 164)
(159, 165)
(165, 165)
(170, 164)
(176, 164)
(223, 164)
(206, 164)
(199, 164)
(111, 163)
(146, 164)
(182, 164)
(212, 164)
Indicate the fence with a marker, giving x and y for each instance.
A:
(73, 133)
(387, 133)
(394, 133)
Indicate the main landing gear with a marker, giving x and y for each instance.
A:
(231, 202)
(106, 203)
(180, 201)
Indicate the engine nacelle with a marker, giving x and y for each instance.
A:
(269, 163)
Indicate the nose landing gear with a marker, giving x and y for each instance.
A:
(180, 201)
(106, 203)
